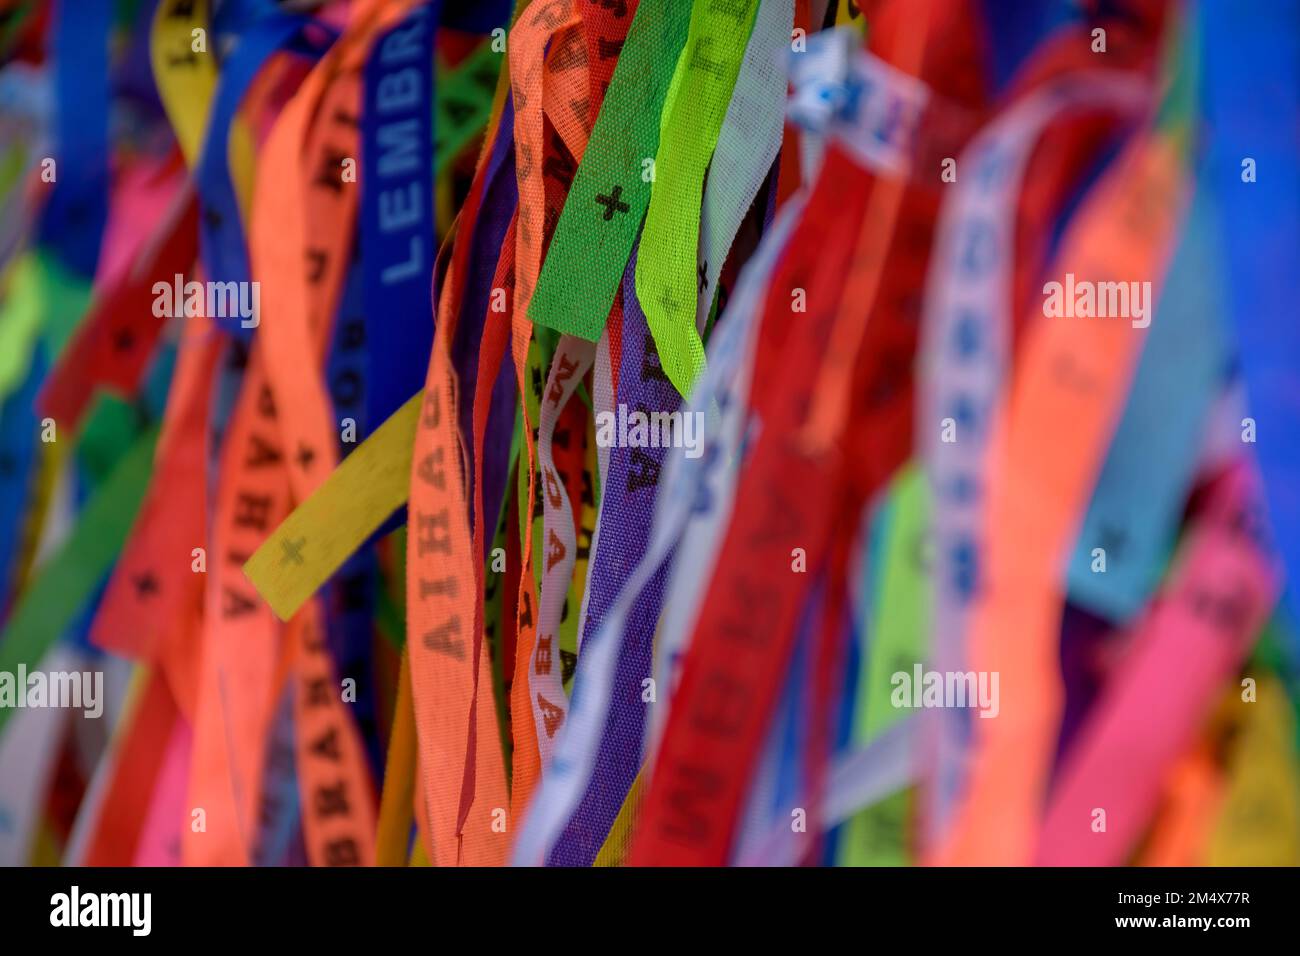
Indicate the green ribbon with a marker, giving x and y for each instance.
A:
(666, 283)
(63, 584)
(41, 298)
(464, 104)
(876, 836)
(611, 188)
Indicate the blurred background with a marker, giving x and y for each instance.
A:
(995, 514)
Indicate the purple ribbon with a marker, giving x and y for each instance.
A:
(627, 508)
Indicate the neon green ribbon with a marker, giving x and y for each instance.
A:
(876, 835)
(666, 262)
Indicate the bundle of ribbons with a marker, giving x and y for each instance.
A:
(687, 432)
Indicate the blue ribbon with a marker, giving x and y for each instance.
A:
(1138, 503)
(396, 217)
(1251, 92)
(73, 223)
(18, 429)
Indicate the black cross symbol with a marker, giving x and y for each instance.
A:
(1246, 520)
(669, 303)
(612, 203)
(78, 212)
(146, 585)
(704, 276)
(292, 550)
(238, 356)
(123, 339)
(212, 217)
(1113, 539)
(7, 465)
(305, 456)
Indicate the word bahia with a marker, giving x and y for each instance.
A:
(1100, 300)
(84, 689)
(654, 430)
(215, 300)
(946, 689)
(103, 909)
